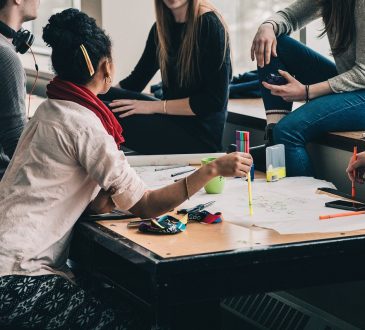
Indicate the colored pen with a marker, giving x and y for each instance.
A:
(353, 190)
(339, 215)
(183, 172)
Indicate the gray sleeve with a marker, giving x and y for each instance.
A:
(12, 100)
(295, 16)
(354, 79)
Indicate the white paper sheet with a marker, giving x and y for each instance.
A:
(289, 206)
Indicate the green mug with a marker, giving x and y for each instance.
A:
(216, 185)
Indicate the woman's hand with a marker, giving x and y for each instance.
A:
(102, 203)
(355, 165)
(292, 91)
(135, 107)
(264, 45)
(233, 165)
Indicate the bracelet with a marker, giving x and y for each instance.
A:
(306, 93)
(187, 187)
(272, 23)
(164, 107)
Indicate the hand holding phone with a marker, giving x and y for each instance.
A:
(276, 79)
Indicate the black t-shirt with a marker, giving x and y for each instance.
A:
(208, 97)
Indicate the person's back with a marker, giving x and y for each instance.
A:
(12, 101)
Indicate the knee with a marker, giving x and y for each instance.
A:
(287, 133)
(283, 42)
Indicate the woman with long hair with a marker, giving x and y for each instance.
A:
(334, 92)
(68, 160)
(189, 45)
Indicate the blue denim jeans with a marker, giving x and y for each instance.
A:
(334, 112)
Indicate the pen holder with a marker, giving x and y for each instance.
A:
(216, 185)
(275, 163)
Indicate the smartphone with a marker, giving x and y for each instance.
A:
(275, 79)
(346, 205)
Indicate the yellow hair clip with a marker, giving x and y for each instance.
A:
(87, 59)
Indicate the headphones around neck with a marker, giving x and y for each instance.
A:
(22, 40)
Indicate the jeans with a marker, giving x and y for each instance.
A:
(333, 112)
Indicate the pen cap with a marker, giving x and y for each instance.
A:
(243, 141)
(275, 162)
(275, 156)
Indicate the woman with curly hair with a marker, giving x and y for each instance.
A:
(68, 160)
(189, 45)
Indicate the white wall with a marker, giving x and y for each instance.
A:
(128, 23)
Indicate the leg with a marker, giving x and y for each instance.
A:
(52, 302)
(158, 134)
(305, 64)
(336, 112)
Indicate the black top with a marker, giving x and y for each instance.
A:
(209, 96)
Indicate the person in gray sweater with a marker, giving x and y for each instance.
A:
(289, 71)
(12, 76)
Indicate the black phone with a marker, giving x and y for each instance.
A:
(346, 205)
(276, 79)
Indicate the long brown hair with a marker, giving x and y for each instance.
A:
(338, 17)
(187, 61)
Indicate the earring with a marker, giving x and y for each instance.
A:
(108, 80)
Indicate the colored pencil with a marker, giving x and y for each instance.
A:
(339, 215)
(353, 190)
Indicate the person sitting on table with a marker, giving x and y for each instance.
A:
(189, 45)
(334, 93)
(68, 160)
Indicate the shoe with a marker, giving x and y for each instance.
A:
(269, 134)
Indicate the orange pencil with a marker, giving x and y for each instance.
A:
(353, 190)
(339, 215)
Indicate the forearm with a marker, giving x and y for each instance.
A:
(319, 89)
(160, 201)
(180, 107)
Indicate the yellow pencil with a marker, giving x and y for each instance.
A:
(249, 193)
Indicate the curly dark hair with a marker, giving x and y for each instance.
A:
(64, 33)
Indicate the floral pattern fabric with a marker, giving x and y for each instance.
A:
(52, 302)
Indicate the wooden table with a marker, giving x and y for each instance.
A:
(182, 282)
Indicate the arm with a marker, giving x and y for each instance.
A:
(296, 91)
(12, 100)
(295, 16)
(146, 67)
(180, 107)
(97, 153)
(215, 67)
(160, 201)
(290, 19)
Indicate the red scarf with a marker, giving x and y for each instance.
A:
(64, 90)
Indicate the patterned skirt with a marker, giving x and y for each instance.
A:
(52, 302)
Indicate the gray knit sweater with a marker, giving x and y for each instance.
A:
(350, 64)
(12, 101)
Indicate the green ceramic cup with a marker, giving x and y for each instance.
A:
(216, 185)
